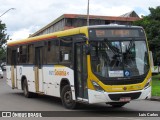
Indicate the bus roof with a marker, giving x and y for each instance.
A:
(46, 36)
(68, 32)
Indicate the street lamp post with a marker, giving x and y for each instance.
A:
(88, 14)
(7, 11)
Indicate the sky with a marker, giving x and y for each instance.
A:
(31, 15)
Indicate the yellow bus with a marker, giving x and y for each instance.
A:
(95, 64)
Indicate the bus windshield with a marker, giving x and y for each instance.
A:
(119, 58)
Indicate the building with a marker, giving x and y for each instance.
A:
(68, 21)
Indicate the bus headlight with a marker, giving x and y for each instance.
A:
(97, 87)
(148, 83)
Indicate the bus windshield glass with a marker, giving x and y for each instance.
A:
(119, 58)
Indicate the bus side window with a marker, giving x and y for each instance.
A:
(30, 54)
(9, 51)
(14, 57)
(52, 51)
(66, 50)
(23, 54)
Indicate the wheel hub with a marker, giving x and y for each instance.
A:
(68, 97)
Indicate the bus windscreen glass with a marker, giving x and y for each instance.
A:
(116, 56)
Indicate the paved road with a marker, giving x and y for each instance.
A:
(13, 100)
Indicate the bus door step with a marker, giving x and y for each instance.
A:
(40, 93)
(82, 100)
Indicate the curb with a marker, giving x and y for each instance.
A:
(155, 98)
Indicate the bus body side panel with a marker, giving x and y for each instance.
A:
(52, 79)
(49, 85)
(40, 73)
(19, 76)
(28, 72)
(8, 75)
(11, 76)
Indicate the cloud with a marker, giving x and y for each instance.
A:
(31, 15)
(22, 33)
(110, 11)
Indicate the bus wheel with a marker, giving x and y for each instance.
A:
(26, 93)
(66, 96)
(117, 104)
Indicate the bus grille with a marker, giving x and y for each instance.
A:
(123, 81)
(116, 97)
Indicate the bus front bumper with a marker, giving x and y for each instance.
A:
(104, 97)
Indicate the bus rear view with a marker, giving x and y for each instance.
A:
(120, 64)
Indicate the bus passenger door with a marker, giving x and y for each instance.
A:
(81, 72)
(13, 69)
(38, 69)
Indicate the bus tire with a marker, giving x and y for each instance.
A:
(66, 97)
(117, 104)
(26, 93)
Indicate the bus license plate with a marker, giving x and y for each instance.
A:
(125, 99)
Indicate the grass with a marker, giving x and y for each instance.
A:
(156, 85)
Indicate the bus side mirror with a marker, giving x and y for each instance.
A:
(87, 49)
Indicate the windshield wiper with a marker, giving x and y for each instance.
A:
(114, 50)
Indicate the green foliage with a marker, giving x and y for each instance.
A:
(2, 54)
(151, 24)
(156, 85)
(3, 40)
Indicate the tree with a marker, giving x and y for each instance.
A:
(151, 24)
(3, 40)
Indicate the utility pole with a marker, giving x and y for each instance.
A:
(88, 14)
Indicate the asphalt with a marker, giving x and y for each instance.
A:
(13, 100)
(155, 98)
